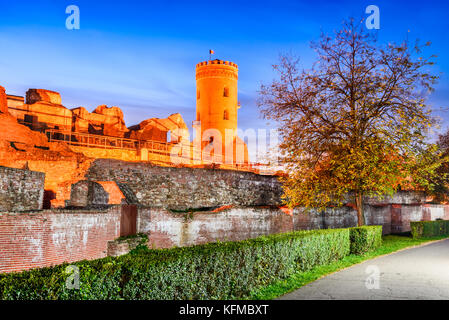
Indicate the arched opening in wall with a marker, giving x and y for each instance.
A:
(198, 94)
(225, 115)
(198, 118)
(168, 136)
(226, 92)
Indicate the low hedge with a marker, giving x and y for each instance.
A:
(222, 270)
(366, 238)
(422, 229)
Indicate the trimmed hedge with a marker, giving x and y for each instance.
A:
(222, 270)
(366, 238)
(421, 229)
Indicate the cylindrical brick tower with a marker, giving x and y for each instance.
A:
(216, 97)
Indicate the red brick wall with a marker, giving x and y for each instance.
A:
(40, 239)
(166, 229)
(50, 237)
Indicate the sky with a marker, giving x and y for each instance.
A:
(141, 55)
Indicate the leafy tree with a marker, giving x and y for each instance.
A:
(441, 179)
(355, 124)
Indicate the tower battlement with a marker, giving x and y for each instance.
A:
(217, 68)
(217, 62)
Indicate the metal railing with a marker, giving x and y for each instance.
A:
(157, 151)
(105, 142)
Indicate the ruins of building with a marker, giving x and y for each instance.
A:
(39, 133)
(73, 181)
(96, 134)
(102, 133)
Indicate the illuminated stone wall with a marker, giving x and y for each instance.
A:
(187, 188)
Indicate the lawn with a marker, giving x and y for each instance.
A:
(391, 243)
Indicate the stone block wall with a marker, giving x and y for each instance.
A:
(188, 188)
(88, 193)
(50, 237)
(21, 190)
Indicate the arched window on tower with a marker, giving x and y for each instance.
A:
(226, 92)
(198, 94)
(225, 115)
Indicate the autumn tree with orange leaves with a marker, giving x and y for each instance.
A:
(355, 124)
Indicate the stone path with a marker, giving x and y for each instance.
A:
(416, 273)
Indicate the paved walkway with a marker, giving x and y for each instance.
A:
(417, 273)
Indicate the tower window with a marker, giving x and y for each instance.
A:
(225, 115)
(198, 116)
(226, 92)
(198, 94)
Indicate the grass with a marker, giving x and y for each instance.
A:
(391, 243)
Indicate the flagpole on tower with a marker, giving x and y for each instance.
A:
(211, 52)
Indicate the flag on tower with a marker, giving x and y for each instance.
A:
(211, 52)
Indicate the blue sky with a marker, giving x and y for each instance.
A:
(141, 55)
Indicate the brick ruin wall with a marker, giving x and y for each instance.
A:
(185, 206)
(175, 207)
(50, 237)
(166, 229)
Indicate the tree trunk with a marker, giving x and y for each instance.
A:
(359, 205)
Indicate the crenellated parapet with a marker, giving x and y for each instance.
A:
(218, 62)
(216, 68)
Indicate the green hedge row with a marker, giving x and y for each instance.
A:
(222, 270)
(422, 229)
(366, 238)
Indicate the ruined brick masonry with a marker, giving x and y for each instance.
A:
(166, 229)
(185, 206)
(50, 237)
(173, 206)
(39, 133)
